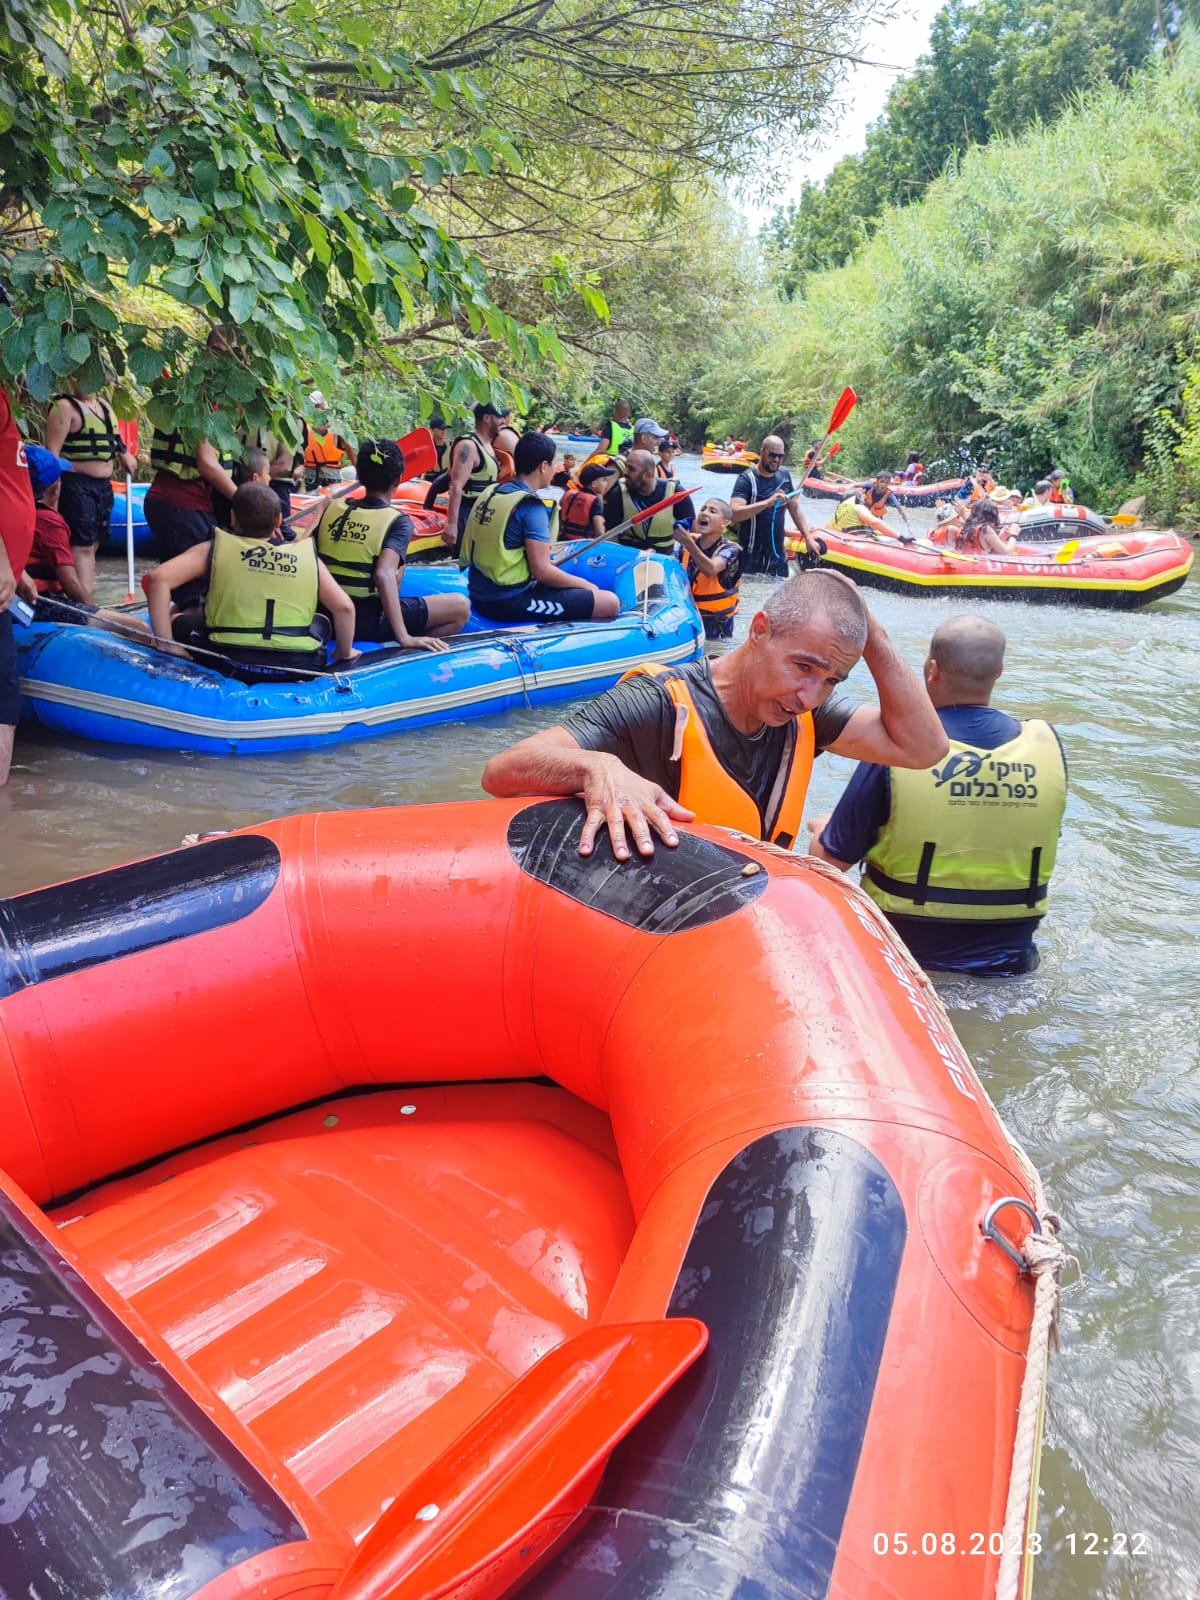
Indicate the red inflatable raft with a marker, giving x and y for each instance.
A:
(428, 526)
(375, 1180)
(1120, 571)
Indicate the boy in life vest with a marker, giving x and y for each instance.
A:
(82, 429)
(364, 542)
(262, 595)
(51, 582)
(581, 511)
(713, 564)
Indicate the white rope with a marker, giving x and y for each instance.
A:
(1045, 1259)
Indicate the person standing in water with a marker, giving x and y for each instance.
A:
(959, 856)
(760, 497)
(82, 428)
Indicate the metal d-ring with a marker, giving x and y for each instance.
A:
(990, 1231)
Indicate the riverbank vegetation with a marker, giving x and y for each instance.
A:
(441, 202)
(1039, 306)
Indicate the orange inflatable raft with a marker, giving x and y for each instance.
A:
(1122, 570)
(376, 1180)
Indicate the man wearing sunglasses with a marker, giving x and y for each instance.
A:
(758, 502)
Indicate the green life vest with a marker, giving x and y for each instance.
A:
(658, 531)
(261, 596)
(483, 544)
(483, 474)
(349, 539)
(619, 435)
(96, 439)
(973, 839)
(847, 515)
(168, 453)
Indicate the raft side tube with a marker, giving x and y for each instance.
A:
(738, 1482)
(98, 1437)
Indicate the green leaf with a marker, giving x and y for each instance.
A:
(77, 348)
(145, 363)
(243, 297)
(39, 382)
(507, 149)
(432, 172)
(318, 238)
(47, 340)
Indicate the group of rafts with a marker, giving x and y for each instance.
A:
(579, 1289)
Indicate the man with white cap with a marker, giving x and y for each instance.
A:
(647, 435)
(325, 451)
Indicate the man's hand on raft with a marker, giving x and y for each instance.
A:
(618, 798)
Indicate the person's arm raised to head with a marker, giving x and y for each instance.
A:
(904, 730)
(552, 763)
(208, 465)
(158, 583)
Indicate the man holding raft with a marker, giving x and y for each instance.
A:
(732, 741)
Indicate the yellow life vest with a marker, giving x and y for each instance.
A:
(483, 544)
(483, 474)
(168, 453)
(656, 532)
(973, 839)
(96, 438)
(619, 435)
(847, 515)
(349, 539)
(261, 596)
(706, 788)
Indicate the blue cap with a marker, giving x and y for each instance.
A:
(45, 469)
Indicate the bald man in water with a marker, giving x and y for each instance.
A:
(759, 499)
(731, 741)
(959, 857)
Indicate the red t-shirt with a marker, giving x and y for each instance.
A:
(16, 493)
(51, 549)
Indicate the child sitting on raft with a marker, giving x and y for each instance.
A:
(713, 563)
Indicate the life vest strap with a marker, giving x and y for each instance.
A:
(921, 894)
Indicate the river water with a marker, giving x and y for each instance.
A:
(1094, 1060)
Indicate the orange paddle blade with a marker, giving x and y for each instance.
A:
(511, 1486)
(419, 452)
(129, 436)
(846, 404)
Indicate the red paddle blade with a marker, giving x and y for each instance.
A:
(834, 451)
(419, 452)
(846, 404)
(129, 436)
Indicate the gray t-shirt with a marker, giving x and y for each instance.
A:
(636, 723)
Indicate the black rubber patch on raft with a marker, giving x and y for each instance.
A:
(696, 883)
(112, 1480)
(54, 931)
(735, 1486)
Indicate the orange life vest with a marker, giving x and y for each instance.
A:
(321, 449)
(707, 789)
(505, 466)
(575, 512)
(713, 596)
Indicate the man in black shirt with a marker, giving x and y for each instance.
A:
(759, 499)
(764, 710)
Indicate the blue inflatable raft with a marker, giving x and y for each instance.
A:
(116, 526)
(85, 682)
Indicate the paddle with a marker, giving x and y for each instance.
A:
(129, 438)
(847, 401)
(568, 553)
(420, 455)
(1068, 552)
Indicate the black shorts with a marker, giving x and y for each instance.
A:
(10, 675)
(189, 629)
(371, 625)
(86, 506)
(174, 530)
(540, 602)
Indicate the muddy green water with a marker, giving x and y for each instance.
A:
(1094, 1060)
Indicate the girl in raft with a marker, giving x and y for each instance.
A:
(713, 563)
